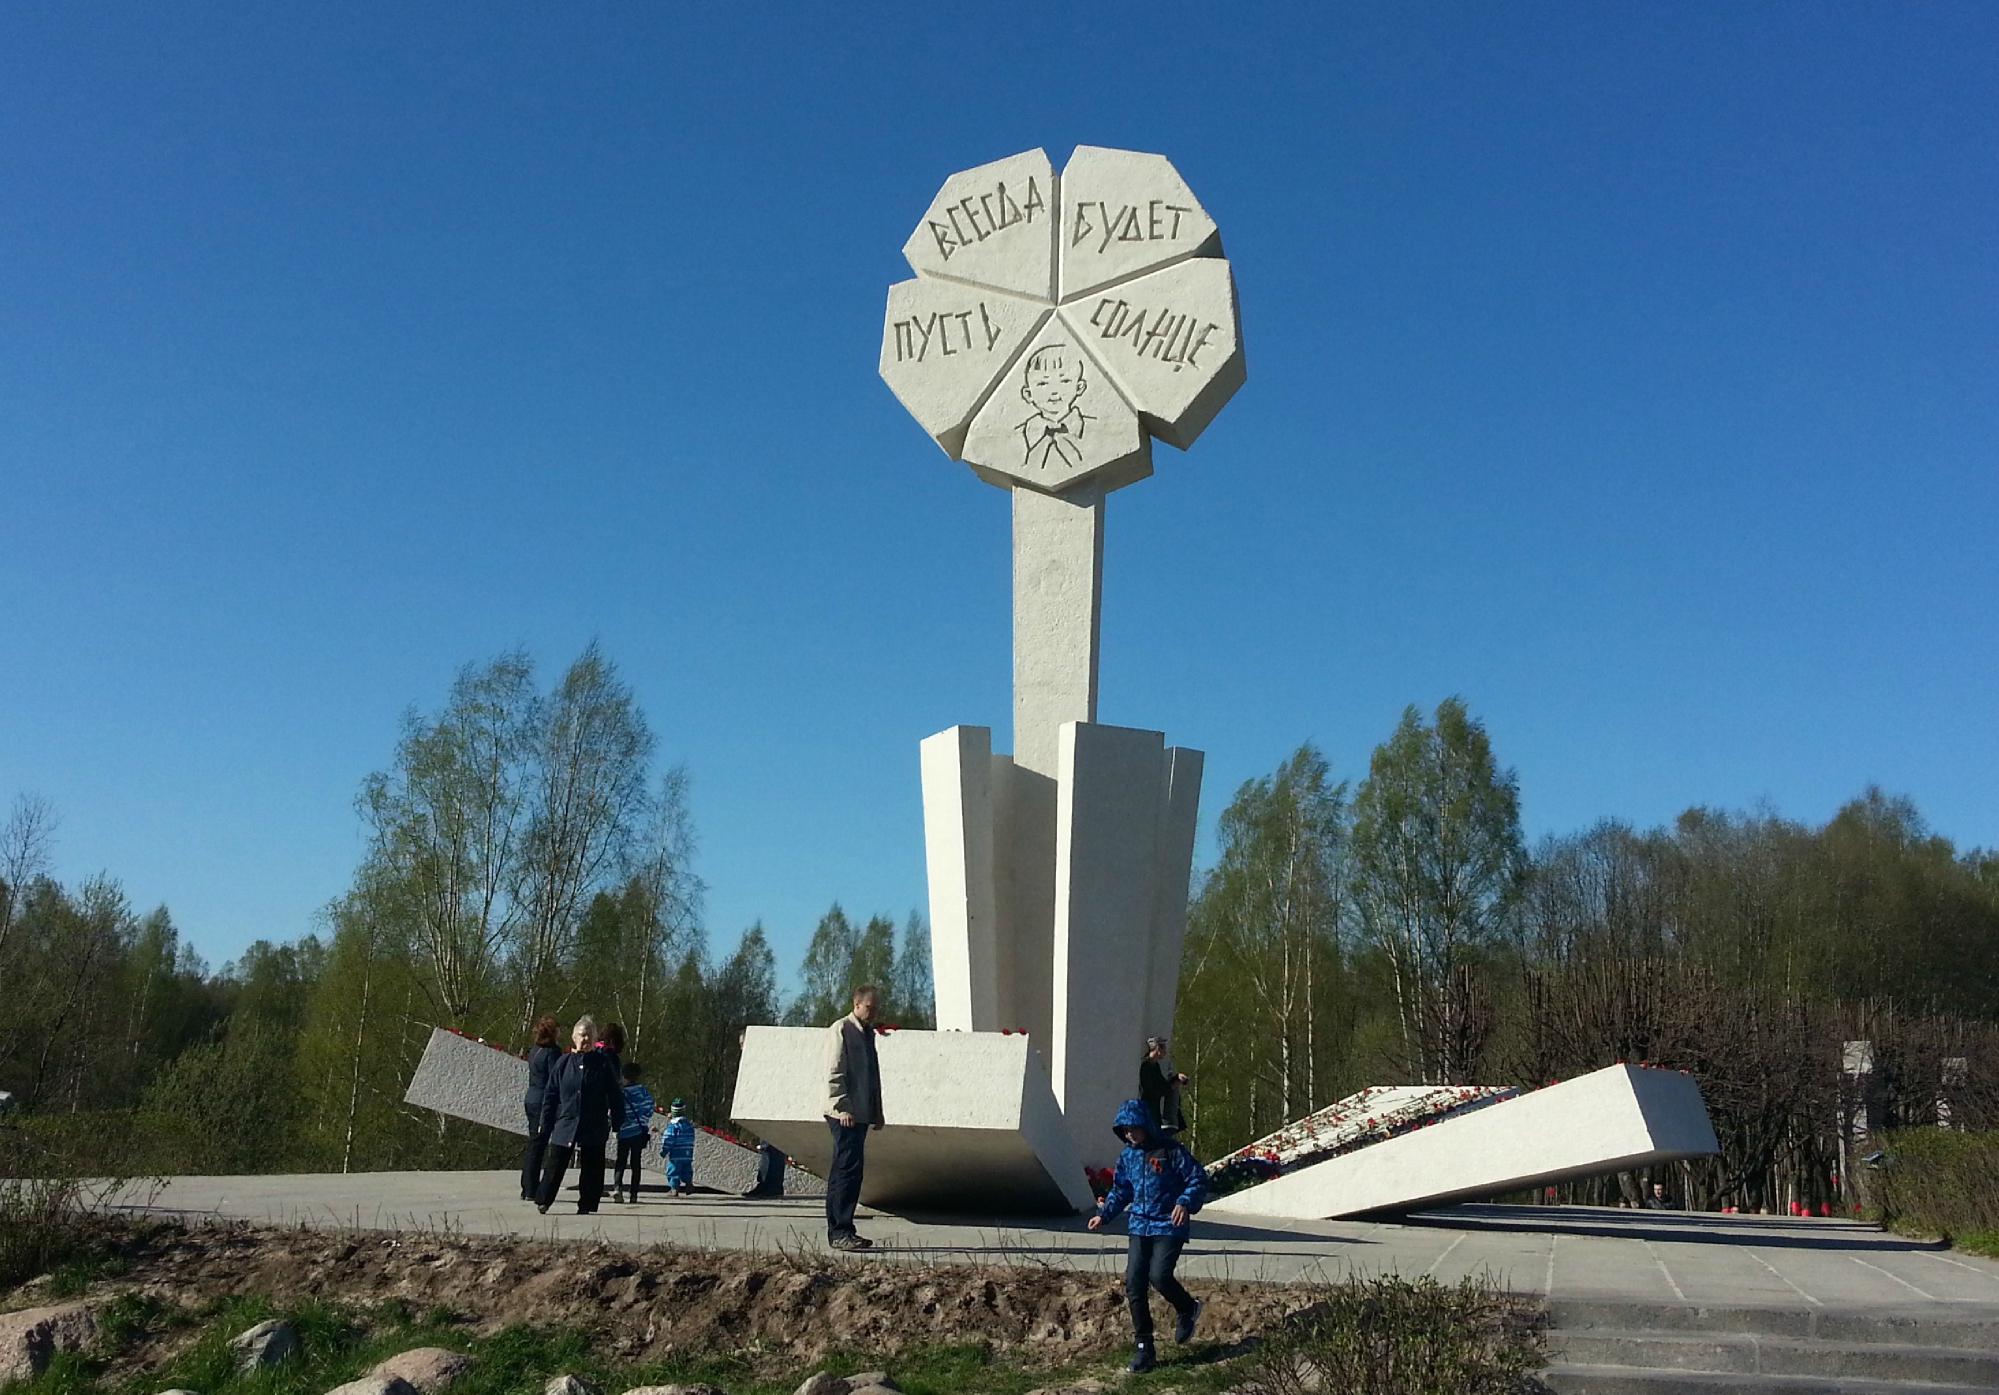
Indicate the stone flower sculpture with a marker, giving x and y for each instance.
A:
(1056, 325)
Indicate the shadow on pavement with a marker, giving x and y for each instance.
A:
(1672, 1227)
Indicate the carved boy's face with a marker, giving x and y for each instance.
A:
(1053, 391)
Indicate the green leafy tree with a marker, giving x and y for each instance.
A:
(1439, 867)
(913, 991)
(449, 819)
(826, 980)
(1263, 946)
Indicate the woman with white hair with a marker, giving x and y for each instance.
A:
(582, 1106)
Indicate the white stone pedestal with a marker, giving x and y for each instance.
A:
(1058, 902)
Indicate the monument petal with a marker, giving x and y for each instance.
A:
(945, 346)
(993, 226)
(1172, 340)
(1057, 421)
(1126, 213)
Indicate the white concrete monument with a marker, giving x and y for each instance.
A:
(1055, 327)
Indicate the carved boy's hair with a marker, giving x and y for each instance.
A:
(1056, 358)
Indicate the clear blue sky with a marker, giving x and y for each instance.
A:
(1631, 370)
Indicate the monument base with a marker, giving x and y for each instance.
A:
(468, 1079)
(972, 1120)
(1612, 1120)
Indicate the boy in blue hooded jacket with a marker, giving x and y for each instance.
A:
(1159, 1185)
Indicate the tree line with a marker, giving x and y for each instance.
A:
(1398, 929)
(525, 855)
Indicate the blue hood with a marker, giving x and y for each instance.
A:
(1132, 1113)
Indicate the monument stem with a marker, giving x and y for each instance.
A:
(1058, 586)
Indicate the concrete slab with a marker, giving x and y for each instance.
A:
(474, 1080)
(1579, 1257)
(1107, 817)
(970, 1117)
(958, 846)
(1612, 1120)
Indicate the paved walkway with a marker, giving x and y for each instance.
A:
(1568, 1253)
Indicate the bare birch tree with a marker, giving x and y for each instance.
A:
(586, 797)
(447, 823)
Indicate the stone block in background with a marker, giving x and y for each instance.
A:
(468, 1079)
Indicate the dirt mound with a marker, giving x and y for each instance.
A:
(645, 1305)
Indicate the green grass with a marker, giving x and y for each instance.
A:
(338, 1345)
(1978, 1242)
(1366, 1337)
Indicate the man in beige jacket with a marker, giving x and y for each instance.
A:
(853, 1106)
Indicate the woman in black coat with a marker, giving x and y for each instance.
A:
(542, 1057)
(582, 1105)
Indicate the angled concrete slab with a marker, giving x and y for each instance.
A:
(473, 1080)
(1611, 1120)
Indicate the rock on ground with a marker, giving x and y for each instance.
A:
(860, 1383)
(429, 1369)
(178, 1391)
(266, 1344)
(375, 1385)
(569, 1385)
(696, 1389)
(30, 1338)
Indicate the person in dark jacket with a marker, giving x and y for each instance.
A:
(1158, 1186)
(853, 1106)
(581, 1107)
(1159, 1085)
(542, 1057)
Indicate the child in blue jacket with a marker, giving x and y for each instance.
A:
(676, 1145)
(1159, 1186)
(633, 1135)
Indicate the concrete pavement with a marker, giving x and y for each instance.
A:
(1568, 1254)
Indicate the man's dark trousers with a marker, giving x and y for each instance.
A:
(843, 1178)
(589, 1176)
(1149, 1259)
(531, 1158)
(631, 1154)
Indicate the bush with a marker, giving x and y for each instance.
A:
(1395, 1336)
(50, 1180)
(1942, 1182)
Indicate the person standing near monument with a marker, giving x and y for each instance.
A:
(853, 1107)
(1159, 1186)
(633, 1136)
(542, 1057)
(581, 1108)
(1159, 1086)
